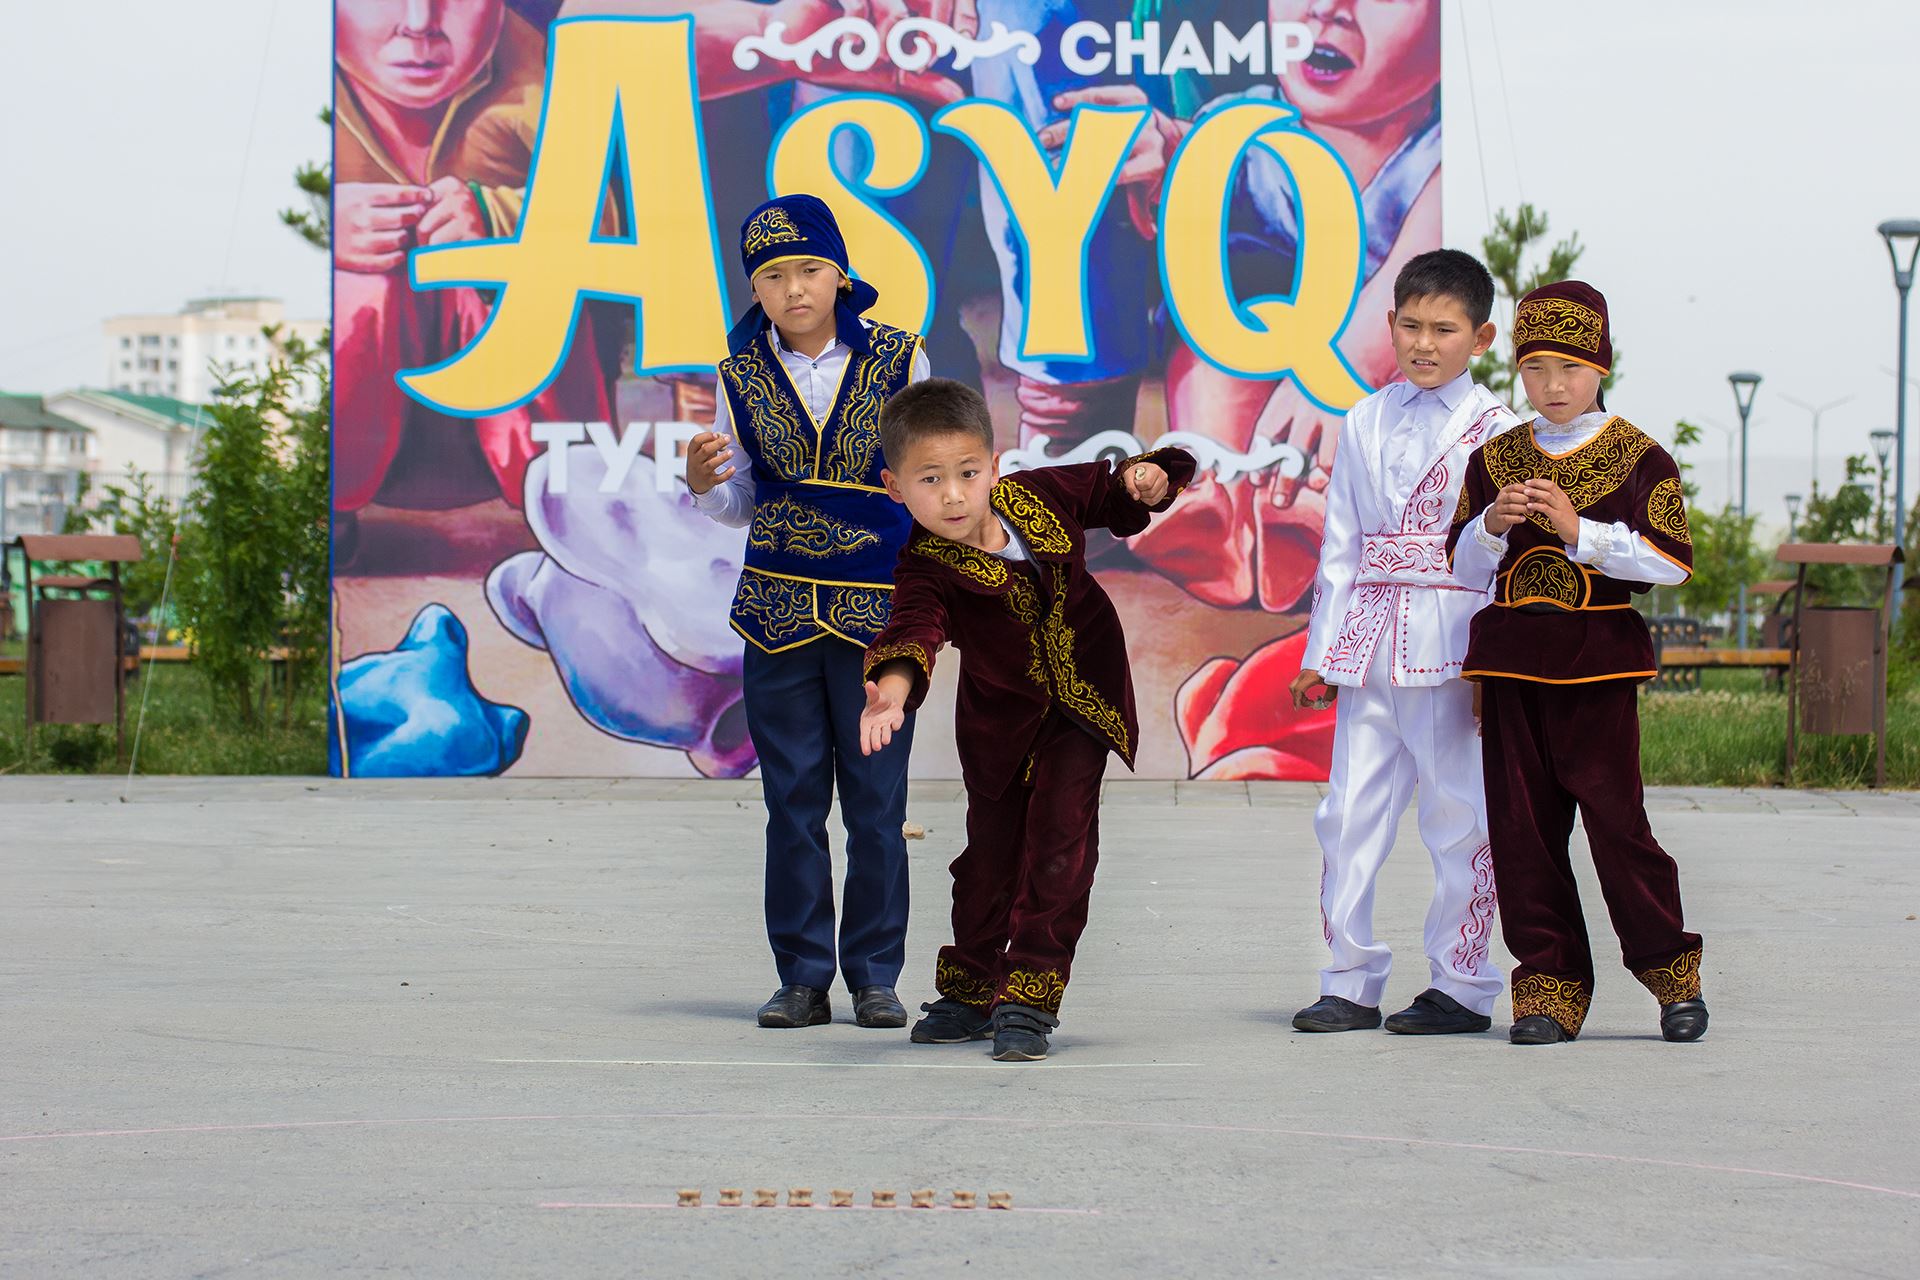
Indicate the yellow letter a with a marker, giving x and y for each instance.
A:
(637, 76)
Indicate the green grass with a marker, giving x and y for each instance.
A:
(1733, 733)
(181, 734)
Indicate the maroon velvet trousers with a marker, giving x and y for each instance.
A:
(1548, 749)
(1022, 884)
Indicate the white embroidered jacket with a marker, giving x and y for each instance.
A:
(1383, 574)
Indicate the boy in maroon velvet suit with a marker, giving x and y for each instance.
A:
(998, 568)
(1569, 516)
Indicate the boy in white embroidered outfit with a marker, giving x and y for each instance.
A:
(1390, 627)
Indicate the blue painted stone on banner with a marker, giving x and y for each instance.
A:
(413, 711)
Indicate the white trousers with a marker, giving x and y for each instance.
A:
(1385, 740)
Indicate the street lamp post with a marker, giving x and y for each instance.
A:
(1882, 446)
(1744, 386)
(1793, 515)
(1903, 237)
(1816, 410)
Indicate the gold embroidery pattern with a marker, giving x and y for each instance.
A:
(1042, 991)
(906, 649)
(1544, 574)
(782, 609)
(1024, 601)
(988, 571)
(1037, 523)
(1564, 1000)
(856, 440)
(1463, 512)
(957, 982)
(1587, 474)
(1558, 320)
(771, 227)
(1667, 511)
(858, 611)
(785, 446)
(1067, 684)
(787, 525)
(1678, 981)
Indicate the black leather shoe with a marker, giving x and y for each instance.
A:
(1331, 1013)
(796, 1006)
(1435, 1013)
(950, 1022)
(1683, 1020)
(1538, 1029)
(1020, 1033)
(878, 1007)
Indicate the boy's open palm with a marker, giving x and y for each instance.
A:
(882, 715)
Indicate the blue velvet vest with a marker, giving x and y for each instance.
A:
(825, 535)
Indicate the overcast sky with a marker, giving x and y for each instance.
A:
(1725, 163)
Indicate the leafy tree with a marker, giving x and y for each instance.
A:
(313, 223)
(133, 506)
(1724, 554)
(1515, 239)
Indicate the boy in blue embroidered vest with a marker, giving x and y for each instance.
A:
(1390, 624)
(1000, 571)
(800, 399)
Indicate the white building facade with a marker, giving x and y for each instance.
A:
(184, 356)
(154, 435)
(43, 459)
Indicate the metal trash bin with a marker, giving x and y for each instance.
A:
(1839, 682)
(1838, 672)
(75, 671)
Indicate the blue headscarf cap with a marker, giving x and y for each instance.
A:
(799, 226)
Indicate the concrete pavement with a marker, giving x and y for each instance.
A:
(290, 1027)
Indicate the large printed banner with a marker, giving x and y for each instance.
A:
(1127, 221)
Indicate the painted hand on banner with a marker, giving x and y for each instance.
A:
(453, 217)
(1146, 164)
(373, 224)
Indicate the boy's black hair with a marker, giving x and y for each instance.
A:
(936, 407)
(1447, 273)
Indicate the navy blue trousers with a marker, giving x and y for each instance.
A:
(803, 710)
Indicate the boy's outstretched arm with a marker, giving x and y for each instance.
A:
(899, 662)
(1121, 498)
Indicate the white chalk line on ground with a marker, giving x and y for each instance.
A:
(828, 1208)
(895, 1066)
(1169, 1126)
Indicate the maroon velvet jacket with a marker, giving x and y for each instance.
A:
(1551, 620)
(1036, 635)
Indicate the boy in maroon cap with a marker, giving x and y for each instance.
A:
(1569, 517)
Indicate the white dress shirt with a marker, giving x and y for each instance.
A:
(1613, 549)
(1406, 450)
(817, 379)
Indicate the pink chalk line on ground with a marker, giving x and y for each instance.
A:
(1161, 1125)
(902, 1210)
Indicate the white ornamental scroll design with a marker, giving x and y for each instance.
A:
(1225, 463)
(913, 44)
